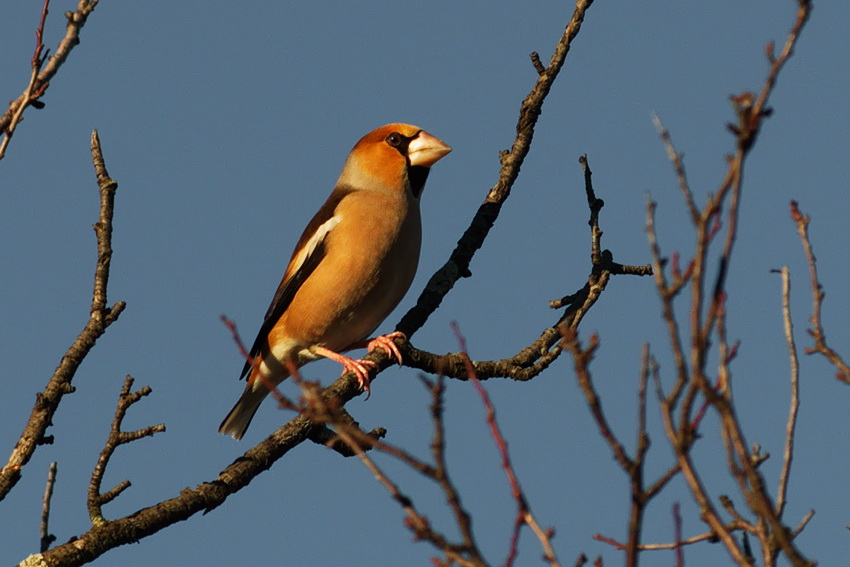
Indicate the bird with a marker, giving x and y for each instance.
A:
(351, 267)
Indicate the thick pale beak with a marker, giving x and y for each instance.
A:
(425, 150)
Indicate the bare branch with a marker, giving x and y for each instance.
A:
(458, 264)
(96, 499)
(524, 514)
(679, 165)
(47, 538)
(40, 77)
(536, 357)
(101, 317)
(817, 333)
(791, 426)
(441, 470)
(349, 434)
(582, 358)
(708, 316)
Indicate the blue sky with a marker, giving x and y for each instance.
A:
(226, 126)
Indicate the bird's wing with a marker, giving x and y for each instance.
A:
(308, 254)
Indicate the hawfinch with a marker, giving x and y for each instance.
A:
(350, 269)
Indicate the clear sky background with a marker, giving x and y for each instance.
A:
(226, 125)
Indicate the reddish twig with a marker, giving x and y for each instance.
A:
(43, 69)
(32, 92)
(707, 317)
(817, 332)
(677, 528)
(610, 541)
(524, 515)
(37, 58)
(282, 401)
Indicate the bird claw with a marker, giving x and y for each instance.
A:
(387, 344)
(358, 368)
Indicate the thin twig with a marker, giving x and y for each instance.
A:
(511, 161)
(116, 438)
(101, 317)
(30, 96)
(524, 513)
(463, 519)
(677, 526)
(679, 165)
(707, 536)
(582, 358)
(282, 401)
(42, 74)
(208, 495)
(817, 332)
(693, 386)
(791, 425)
(46, 537)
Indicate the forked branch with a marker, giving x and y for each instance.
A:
(100, 318)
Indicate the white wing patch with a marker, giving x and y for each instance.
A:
(316, 239)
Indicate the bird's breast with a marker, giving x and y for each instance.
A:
(370, 260)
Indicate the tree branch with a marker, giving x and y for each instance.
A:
(536, 357)
(101, 317)
(817, 332)
(239, 474)
(47, 538)
(40, 77)
(511, 161)
(96, 499)
(708, 316)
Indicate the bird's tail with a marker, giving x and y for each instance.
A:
(239, 418)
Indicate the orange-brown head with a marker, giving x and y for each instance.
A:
(391, 158)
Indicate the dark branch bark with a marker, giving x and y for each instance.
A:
(101, 317)
(458, 264)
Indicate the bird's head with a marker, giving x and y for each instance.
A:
(392, 157)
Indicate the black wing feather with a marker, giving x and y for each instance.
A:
(285, 292)
(289, 287)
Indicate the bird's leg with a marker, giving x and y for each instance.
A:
(358, 367)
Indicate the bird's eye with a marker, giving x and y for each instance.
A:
(395, 139)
